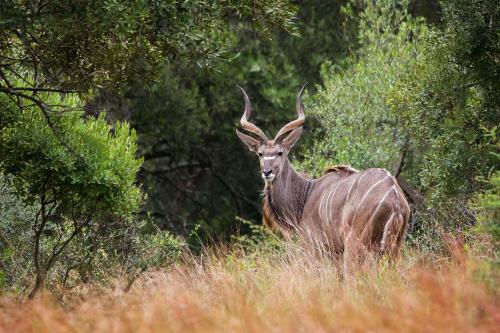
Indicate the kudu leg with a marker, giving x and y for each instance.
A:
(356, 256)
(391, 244)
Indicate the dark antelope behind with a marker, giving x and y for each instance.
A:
(347, 211)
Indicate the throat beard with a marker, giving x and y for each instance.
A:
(268, 186)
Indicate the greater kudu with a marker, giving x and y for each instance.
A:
(347, 211)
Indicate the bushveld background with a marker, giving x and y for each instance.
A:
(127, 203)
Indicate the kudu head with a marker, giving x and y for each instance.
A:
(272, 153)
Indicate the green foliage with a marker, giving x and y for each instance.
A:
(15, 238)
(259, 239)
(247, 248)
(80, 44)
(160, 249)
(93, 167)
(405, 90)
(445, 104)
(145, 250)
(358, 127)
(471, 33)
(75, 170)
(487, 206)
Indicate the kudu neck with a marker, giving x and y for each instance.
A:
(288, 194)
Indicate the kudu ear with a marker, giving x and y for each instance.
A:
(252, 143)
(292, 138)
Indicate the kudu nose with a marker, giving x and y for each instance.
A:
(267, 173)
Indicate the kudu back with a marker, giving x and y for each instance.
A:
(354, 213)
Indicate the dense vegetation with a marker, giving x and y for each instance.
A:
(118, 153)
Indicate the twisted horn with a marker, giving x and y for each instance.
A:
(248, 126)
(301, 118)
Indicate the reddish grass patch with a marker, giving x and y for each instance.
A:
(270, 294)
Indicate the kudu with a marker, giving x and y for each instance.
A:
(349, 212)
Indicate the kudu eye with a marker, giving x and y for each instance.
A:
(260, 155)
(280, 153)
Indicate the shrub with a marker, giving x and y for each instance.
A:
(78, 171)
(358, 127)
(15, 239)
(151, 250)
(487, 205)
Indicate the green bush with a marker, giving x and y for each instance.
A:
(151, 250)
(79, 172)
(15, 239)
(444, 120)
(358, 126)
(487, 205)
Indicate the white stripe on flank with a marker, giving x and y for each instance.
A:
(364, 197)
(346, 201)
(331, 199)
(357, 184)
(324, 211)
(323, 204)
(350, 189)
(386, 227)
(381, 201)
(327, 201)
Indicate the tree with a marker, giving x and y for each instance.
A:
(76, 184)
(81, 45)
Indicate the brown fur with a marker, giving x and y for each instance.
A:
(269, 216)
(345, 210)
(343, 169)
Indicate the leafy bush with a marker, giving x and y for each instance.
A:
(487, 206)
(358, 127)
(151, 250)
(76, 170)
(15, 239)
(444, 119)
(83, 44)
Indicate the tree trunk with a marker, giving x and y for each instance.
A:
(412, 193)
(40, 271)
(40, 279)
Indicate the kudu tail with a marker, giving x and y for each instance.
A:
(393, 235)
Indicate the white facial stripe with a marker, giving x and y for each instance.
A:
(269, 157)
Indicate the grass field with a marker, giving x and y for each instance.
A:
(284, 290)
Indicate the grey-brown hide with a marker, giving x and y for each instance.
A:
(347, 211)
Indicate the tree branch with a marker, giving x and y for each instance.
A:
(63, 91)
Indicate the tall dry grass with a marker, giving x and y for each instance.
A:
(275, 291)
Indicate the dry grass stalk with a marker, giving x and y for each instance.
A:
(275, 292)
